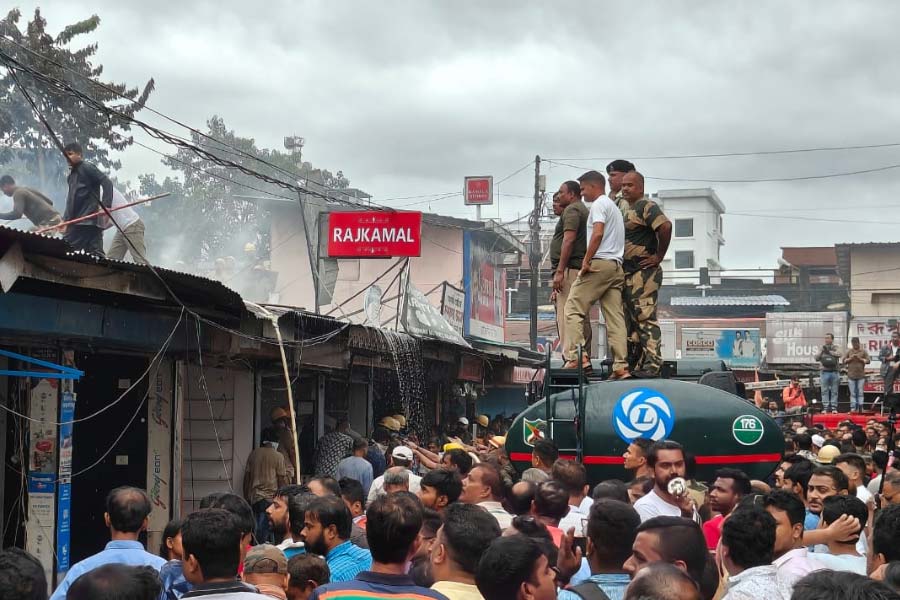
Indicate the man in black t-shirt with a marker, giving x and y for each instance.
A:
(567, 249)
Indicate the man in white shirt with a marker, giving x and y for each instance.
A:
(666, 458)
(792, 561)
(854, 467)
(483, 486)
(132, 225)
(572, 476)
(401, 456)
(601, 278)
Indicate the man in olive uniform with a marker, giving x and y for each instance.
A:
(616, 171)
(29, 203)
(647, 235)
(567, 250)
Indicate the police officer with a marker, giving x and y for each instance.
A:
(616, 171)
(647, 235)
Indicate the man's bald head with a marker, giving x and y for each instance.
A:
(633, 186)
(127, 509)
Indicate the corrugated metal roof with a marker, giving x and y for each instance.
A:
(766, 300)
(811, 256)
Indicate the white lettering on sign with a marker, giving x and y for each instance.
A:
(748, 423)
(373, 234)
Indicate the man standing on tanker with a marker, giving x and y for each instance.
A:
(600, 278)
(647, 235)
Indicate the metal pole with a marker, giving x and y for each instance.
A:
(534, 258)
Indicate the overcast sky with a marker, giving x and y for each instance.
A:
(409, 97)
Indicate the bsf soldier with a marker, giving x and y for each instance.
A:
(616, 171)
(647, 235)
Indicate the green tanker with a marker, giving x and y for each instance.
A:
(717, 427)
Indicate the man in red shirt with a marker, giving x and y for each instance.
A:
(730, 486)
(793, 397)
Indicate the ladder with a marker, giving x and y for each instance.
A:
(571, 383)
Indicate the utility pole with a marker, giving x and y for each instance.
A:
(534, 258)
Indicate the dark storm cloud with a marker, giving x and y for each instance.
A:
(408, 97)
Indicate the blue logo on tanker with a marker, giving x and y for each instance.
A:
(643, 413)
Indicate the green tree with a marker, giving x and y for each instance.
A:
(215, 211)
(23, 137)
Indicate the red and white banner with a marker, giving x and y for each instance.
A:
(479, 191)
(374, 234)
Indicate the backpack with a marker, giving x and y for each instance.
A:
(829, 362)
(588, 591)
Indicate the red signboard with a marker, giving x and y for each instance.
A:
(374, 234)
(479, 190)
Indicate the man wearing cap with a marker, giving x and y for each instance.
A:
(647, 235)
(818, 443)
(264, 474)
(266, 567)
(615, 172)
(281, 421)
(401, 456)
(333, 447)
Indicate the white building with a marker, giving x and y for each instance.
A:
(697, 233)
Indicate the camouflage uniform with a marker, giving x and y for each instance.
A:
(639, 295)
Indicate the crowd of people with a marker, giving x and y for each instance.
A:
(452, 519)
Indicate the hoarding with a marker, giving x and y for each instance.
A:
(485, 286)
(796, 338)
(479, 191)
(453, 307)
(374, 234)
(736, 347)
(421, 319)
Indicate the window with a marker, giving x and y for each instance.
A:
(684, 260)
(684, 228)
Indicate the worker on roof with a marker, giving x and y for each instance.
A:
(28, 203)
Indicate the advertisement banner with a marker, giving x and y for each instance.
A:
(738, 348)
(421, 319)
(40, 527)
(64, 503)
(796, 338)
(479, 191)
(374, 234)
(485, 286)
(453, 307)
(873, 334)
(159, 453)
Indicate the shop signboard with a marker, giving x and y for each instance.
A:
(484, 280)
(738, 348)
(374, 234)
(796, 338)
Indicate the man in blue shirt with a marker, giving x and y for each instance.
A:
(356, 466)
(127, 512)
(326, 531)
(393, 528)
(611, 531)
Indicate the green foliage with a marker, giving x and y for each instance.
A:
(23, 137)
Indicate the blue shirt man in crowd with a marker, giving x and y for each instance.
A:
(127, 513)
(326, 531)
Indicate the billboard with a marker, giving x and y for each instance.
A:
(421, 319)
(374, 234)
(739, 348)
(479, 191)
(453, 307)
(485, 287)
(796, 338)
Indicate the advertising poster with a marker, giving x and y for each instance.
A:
(796, 338)
(40, 527)
(64, 503)
(737, 347)
(485, 287)
(421, 319)
(159, 453)
(453, 307)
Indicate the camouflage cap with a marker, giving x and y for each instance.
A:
(265, 558)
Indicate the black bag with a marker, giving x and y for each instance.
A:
(589, 591)
(828, 361)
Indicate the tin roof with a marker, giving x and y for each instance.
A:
(766, 300)
(810, 256)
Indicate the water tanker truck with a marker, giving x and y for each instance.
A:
(595, 421)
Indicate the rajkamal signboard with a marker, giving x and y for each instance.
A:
(479, 191)
(374, 234)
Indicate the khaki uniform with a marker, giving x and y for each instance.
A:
(641, 289)
(574, 218)
(604, 282)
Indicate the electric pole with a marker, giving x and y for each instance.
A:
(534, 257)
